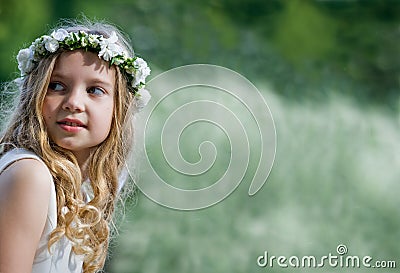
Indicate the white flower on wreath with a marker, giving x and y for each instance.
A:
(142, 97)
(142, 71)
(106, 54)
(109, 48)
(93, 40)
(37, 47)
(50, 43)
(25, 60)
(60, 34)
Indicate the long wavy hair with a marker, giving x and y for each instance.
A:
(85, 224)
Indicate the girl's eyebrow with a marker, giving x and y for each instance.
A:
(101, 82)
(56, 74)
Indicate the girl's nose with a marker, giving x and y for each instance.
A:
(74, 101)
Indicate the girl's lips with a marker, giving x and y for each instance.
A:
(71, 125)
(69, 128)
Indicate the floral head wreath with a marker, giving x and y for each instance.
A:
(135, 68)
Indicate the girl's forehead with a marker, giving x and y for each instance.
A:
(83, 58)
(82, 63)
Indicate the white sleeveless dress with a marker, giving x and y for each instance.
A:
(61, 259)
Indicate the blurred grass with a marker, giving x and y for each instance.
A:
(334, 181)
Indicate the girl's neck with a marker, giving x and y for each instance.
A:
(83, 162)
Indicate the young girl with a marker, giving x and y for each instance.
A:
(65, 148)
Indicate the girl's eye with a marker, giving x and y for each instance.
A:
(56, 86)
(96, 91)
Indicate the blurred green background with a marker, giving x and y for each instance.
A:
(330, 72)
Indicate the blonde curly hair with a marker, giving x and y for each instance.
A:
(86, 225)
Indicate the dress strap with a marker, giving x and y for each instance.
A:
(14, 155)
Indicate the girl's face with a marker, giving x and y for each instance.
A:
(78, 106)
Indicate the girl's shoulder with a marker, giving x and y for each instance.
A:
(22, 168)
